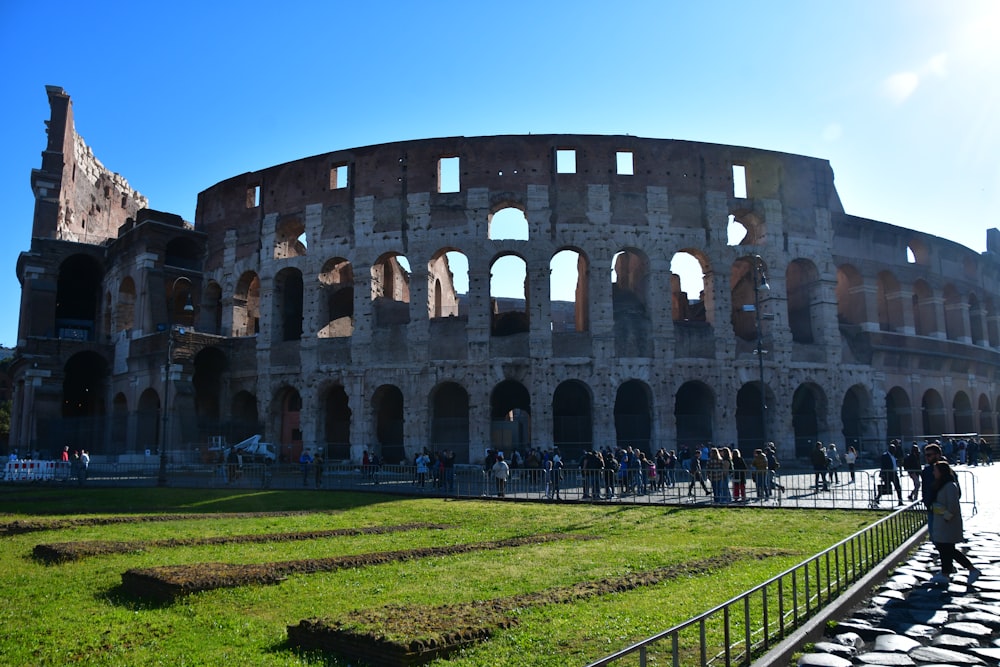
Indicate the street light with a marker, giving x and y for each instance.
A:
(759, 283)
(188, 308)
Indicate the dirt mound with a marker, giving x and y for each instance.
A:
(63, 552)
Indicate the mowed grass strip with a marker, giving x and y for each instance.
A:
(63, 552)
(398, 636)
(77, 613)
(171, 581)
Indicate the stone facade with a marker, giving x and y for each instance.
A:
(509, 291)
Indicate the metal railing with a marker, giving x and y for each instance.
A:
(750, 624)
(792, 488)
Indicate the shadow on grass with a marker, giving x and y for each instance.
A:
(119, 596)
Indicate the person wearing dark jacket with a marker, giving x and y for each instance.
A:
(889, 472)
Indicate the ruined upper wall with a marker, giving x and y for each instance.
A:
(506, 167)
(76, 197)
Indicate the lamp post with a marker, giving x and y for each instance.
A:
(760, 282)
(161, 479)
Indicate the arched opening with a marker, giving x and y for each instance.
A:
(119, 424)
(288, 304)
(508, 224)
(935, 420)
(337, 423)
(290, 238)
(745, 229)
(450, 420)
(802, 292)
(387, 407)
(568, 292)
(630, 303)
(962, 414)
(210, 320)
(857, 419)
(694, 410)
(289, 409)
(924, 315)
(689, 289)
(147, 428)
(954, 316)
(243, 421)
(986, 423)
(125, 308)
(78, 298)
(391, 290)
(572, 419)
(83, 409)
(337, 279)
(634, 415)
(447, 284)
(808, 418)
(977, 327)
(246, 306)
(750, 417)
(181, 305)
(748, 288)
(209, 365)
(898, 415)
(510, 416)
(890, 303)
(508, 296)
(850, 296)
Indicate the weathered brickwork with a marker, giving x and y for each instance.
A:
(326, 303)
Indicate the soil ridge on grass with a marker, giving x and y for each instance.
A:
(167, 582)
(21, 526)
(64, 552)
(409, 636)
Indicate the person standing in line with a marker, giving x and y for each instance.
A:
(946, 531)
(318, 465)
(911, 464)
(851, 458)
(739, 476)
(423, 462)
(821, 465)
(501, 472)
(84, 465)
(759, 466)
(834, 457)
(304, 460)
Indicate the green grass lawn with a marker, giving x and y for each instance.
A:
(77, 612)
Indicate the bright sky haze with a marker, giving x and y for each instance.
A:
(900, 96)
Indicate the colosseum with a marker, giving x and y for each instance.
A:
(507, 291)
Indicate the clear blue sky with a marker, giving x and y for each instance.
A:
(901, 96)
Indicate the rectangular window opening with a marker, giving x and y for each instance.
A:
(253, 196)
(448, 175)
(626, 167)
(565, 161)
(739, 181)
(338, 177)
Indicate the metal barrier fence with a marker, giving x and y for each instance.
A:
(791, 488)
(748, 625)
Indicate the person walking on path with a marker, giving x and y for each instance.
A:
(946, 530)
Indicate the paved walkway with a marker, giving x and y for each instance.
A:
(911, 621)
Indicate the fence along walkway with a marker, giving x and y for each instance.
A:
(750, 624)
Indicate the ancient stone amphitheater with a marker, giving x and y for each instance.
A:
(506, 291)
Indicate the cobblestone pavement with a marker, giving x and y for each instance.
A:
(910, 620)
